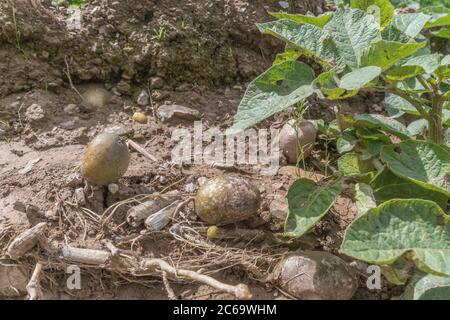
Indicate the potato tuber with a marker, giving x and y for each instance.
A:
(297, 140)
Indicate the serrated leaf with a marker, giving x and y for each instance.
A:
(385, 54)
(418, 228)
(422, 162)
(318, 21)
(376, 121)
(364, 198)
(276, 89)
(359, 78)
(385, 9)
(401, 73)
(308, 203)
(427, 287)
(411, 23)
(429, 62)
(351, 30)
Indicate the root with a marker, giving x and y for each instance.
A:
(33, 286)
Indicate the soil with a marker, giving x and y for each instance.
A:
(209, 51)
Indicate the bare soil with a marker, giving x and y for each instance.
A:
(209, 52)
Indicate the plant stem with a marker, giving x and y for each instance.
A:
(435, 129)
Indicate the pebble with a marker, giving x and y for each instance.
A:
(143, 98)
(169, 112)
(278, 208)
(35, 113)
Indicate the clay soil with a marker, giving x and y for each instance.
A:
(209, 52)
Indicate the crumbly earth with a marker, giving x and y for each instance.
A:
(196, 53)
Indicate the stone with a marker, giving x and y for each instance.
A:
(278, 207)
(35, 113)
(71, 109)
(13, 279)
(316, 275)
(94, 98)
(143, 98)
(156, 83)
(172, 111)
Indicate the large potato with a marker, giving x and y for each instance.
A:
(106, 159)
(295, 141)
(227, 199)
(316, 275)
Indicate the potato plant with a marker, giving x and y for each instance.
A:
(399, 173)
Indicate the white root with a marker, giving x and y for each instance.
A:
(240, 291)
(149, 266)
(33, 286)
(86, 256)
(141, 150)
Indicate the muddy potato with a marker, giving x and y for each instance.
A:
(297, 141)
(227, 199)
(95, 98)
(106, 159)
(316, 275)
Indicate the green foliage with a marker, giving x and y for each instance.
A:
(399, 173)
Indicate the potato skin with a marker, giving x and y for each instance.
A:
(106, 159)
(227, 199)
(306, 136)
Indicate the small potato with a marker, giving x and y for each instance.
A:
(140, 117)
(95, 98)
(106, 159)
(297, 141)
(227, 199)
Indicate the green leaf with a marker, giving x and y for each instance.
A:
(385, 54)
(416, 228)
(429, 62)
(350, 164)
(289, 54)
(386, 9)
(401, 73)
(364, 198)
(351, 30)
(308, 203)
(443, 33)
(422, 162)
(276, 89)
(439, 20)
(327, 83)
(346, 142)
(417, 127)
(377, 121)
(319, 21)
(385, 178)
(427, 287)
(306, 37)
(409, 190)
(359, 78)
(391, 33)
(396, 106)
(411, 23)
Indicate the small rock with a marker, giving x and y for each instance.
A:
(316, 275)
(71, 109)
(96, 98)
(35, 113)
(120, 131)
(190, 187)
(73, 179)
(143, 98)
(113, 188)
(169, 112)
(80, 197)
(278, 208)
(156, 82)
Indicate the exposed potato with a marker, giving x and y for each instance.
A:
(139, 117)
(96, 98)
(106, 159)
(297, 141)
(211, 233)
(227, 199)
(316, 275)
